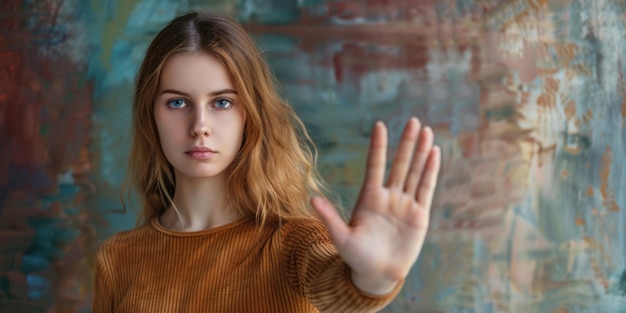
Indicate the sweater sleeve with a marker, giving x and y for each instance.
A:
(317, 271)
(103, 287)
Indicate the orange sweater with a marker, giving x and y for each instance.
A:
(233, 268)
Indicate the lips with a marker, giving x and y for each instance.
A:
(201, 153)
(200, 149)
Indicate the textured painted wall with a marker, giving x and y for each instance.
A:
(527, 98)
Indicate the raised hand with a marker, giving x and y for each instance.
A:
(385, 234)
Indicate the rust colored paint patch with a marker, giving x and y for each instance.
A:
(570, 109)
(608, 197)
(624, 106)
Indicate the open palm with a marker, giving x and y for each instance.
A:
(388, 226)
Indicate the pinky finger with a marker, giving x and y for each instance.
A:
(428, 183)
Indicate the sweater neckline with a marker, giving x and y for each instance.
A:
(162, 229)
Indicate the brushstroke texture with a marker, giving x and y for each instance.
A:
(527, 99)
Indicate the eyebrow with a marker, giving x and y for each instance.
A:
(212, 94)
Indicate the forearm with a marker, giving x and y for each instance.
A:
(334, 290)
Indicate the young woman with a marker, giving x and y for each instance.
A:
(233, 215)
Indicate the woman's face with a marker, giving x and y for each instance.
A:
(198, 116)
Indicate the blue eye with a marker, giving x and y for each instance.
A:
(176, 103)
(223, 104)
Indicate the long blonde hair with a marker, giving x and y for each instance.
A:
(274, 173)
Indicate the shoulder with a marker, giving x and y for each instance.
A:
(298, 231)
(123, 242)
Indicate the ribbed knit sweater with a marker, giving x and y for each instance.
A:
(239, 267)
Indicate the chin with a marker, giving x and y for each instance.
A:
(201, 173)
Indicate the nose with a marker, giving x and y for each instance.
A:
(200, 125)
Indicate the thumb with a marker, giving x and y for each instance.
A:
(337, 228)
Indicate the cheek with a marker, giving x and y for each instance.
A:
(165, 129)
(242, 123)
(241, 132)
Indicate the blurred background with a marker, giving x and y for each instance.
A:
(526, 97)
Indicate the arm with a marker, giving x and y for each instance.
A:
(319, 272)
(103, 287)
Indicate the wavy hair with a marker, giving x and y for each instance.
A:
(274, 173)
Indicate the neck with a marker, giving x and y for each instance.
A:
(201, 204)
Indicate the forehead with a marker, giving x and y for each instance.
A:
(193, 71)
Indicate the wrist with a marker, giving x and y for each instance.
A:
(373, 285)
